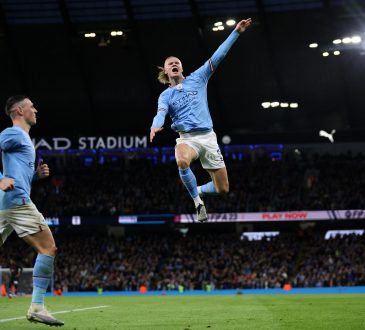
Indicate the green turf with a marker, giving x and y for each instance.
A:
(198, 312)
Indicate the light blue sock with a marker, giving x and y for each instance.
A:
(42, 273)
(189, 180)
(208, 189)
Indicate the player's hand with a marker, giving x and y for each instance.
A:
(153, 132)
(243, 25)
(42, 170)
(7, 184)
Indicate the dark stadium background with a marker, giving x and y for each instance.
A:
(82, 88)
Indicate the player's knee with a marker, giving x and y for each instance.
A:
(182, 163)
(223, 189)
(53, 250)
(49, 250)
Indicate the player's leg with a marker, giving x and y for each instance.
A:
(32, 228)
(213, 162)
(15, 281)
(184, 155)
(43, 242)
(219, 183)
(12, 287)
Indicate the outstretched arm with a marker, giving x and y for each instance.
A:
(157, 123)
(243, 25)
(223, 49)
(159, 119)
(210, 66)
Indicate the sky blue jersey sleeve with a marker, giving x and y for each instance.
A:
(210, 66)
(9, 140)
(159, 119)
(162, 110)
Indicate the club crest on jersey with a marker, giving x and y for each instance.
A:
(179, 86)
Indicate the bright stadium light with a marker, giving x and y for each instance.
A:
(313, 45)
(325, 54)
(346, 40)
(220, 27)
(336, 52)
(218, 23)
(215, 29)
(337, 41)
(276, 104)
(90, 35)
(231, 22)
(356, 39)
(116, 33)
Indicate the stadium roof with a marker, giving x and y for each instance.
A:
(86, 11)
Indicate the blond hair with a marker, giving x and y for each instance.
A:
(162, 76)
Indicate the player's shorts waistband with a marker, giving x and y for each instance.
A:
(194, 133)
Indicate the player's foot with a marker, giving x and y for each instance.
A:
(201, 213)
(42, 316)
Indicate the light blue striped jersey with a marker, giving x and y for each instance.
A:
(187, 103)
(18, 158)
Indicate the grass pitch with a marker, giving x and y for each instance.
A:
(195, 312)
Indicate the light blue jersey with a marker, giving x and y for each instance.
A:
(187, 103)
(18, 156)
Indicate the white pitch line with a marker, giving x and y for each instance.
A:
(60, 312)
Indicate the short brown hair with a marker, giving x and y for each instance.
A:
(11, 101)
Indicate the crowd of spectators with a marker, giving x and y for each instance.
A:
(145, 186)
(197, 261)
(119, 185)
